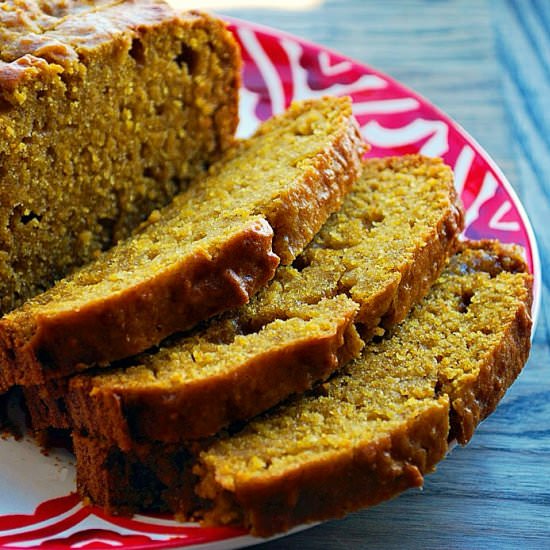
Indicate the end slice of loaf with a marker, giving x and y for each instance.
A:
(366, 267)
(370, 432)
(107, 109)
(212, 248)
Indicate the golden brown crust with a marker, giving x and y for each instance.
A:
(355, 478)
(161, 471)
(62, 342)
(476, 397)
(24, 69)
(130, 406)
(297, 217)
(109, 466)
(417, 275)
(299, 212)
(45, 404)
(62, 36)
(469, 389)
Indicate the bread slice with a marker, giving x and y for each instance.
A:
(107, 109)
(373, 430)
(224, 374)
(366, 267)
(212, 248)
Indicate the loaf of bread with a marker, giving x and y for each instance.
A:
(367, 266)
(107, 109)
(209, 250)
(373, 430)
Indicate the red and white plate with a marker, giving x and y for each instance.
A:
(38, 506)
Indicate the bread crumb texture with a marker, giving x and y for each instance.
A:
(107, 109)
(209, 250)
(301, 327)
(287, 466)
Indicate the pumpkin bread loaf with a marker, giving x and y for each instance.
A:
(368, 265)
(107, 109)
(373, 430)
(209, 250)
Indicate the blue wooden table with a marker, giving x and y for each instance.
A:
(487, 64)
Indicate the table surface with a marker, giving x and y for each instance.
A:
(487, 64)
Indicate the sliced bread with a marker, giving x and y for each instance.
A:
(373, 430)
(209, 250)
(367, 266)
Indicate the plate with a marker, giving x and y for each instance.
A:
(37, 501)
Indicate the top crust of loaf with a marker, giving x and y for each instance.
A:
(62, 32)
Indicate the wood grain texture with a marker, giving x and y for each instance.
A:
(487, 64)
